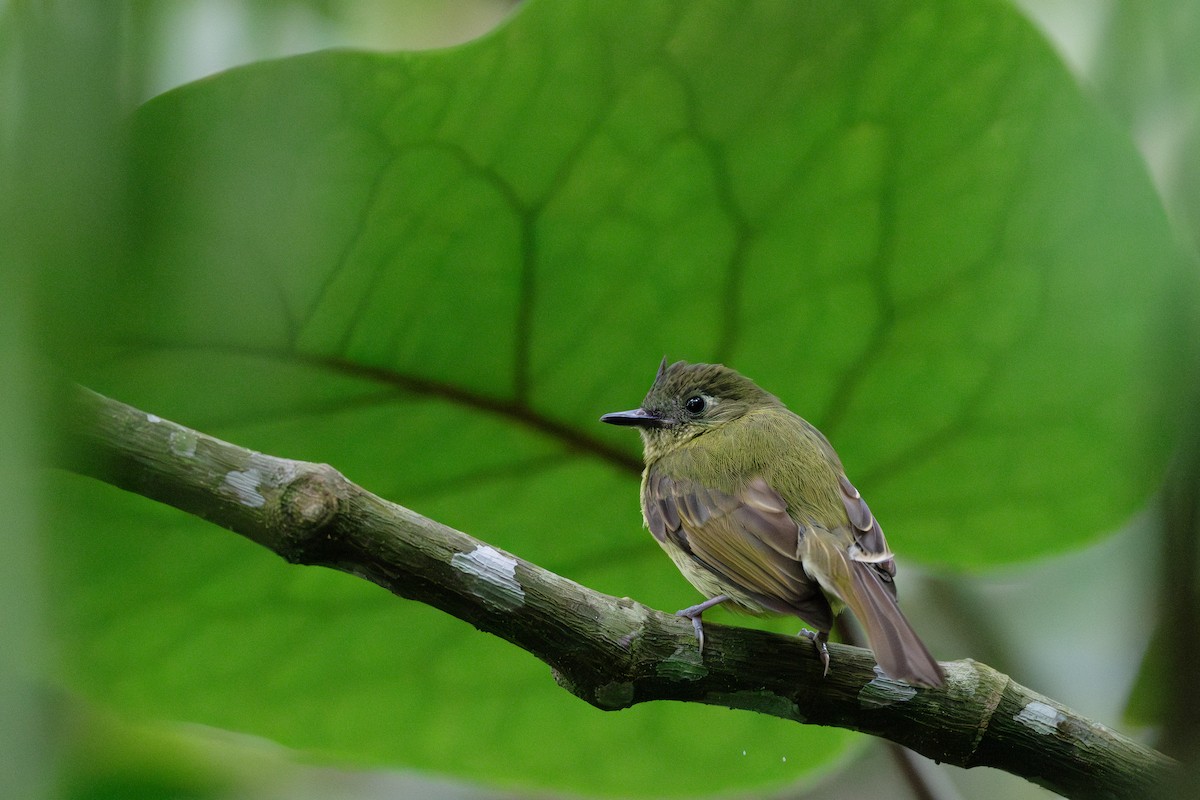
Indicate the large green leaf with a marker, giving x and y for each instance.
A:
(436, 270)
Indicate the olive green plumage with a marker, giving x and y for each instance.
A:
(753, 506)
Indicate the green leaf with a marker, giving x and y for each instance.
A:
(436, 270)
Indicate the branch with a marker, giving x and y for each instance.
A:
(611, 652)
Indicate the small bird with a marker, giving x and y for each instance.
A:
(752, 504)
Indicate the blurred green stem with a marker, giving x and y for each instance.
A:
(1180, 599)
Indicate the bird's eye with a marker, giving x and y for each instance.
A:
(695, 404)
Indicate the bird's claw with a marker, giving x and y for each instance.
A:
(698, 626)
(694, 613)
(818, 640)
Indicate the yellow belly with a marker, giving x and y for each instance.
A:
(711, 585)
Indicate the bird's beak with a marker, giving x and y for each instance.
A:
(638, 417)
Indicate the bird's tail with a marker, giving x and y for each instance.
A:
(897, 648)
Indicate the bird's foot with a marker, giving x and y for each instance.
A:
(818, 639)
(694, 612)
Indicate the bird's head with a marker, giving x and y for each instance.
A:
(687, 400)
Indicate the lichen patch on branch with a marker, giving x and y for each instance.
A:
(1040, 717)
(884, 691)
(245, 485)
(261, 475)
(491, 576)
(183, 443)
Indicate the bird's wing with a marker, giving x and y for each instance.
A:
(745, 539)
(868, 546)
(751, 545)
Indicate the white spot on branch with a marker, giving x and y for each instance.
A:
(245, 487)
(1040, 717)
(491, 576)
(182, 443)
(967, 679)
(262, 473)
(153, 419)
(884, 691)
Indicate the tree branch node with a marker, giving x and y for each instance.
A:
(998, 683)
(307, 509)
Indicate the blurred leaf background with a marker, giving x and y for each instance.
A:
(912, 223)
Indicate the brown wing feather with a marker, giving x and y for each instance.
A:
(745, 542)
(870, 546)
(748, 545)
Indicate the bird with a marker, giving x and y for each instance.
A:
(753, 506)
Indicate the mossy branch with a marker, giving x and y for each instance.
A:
(612, 652)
